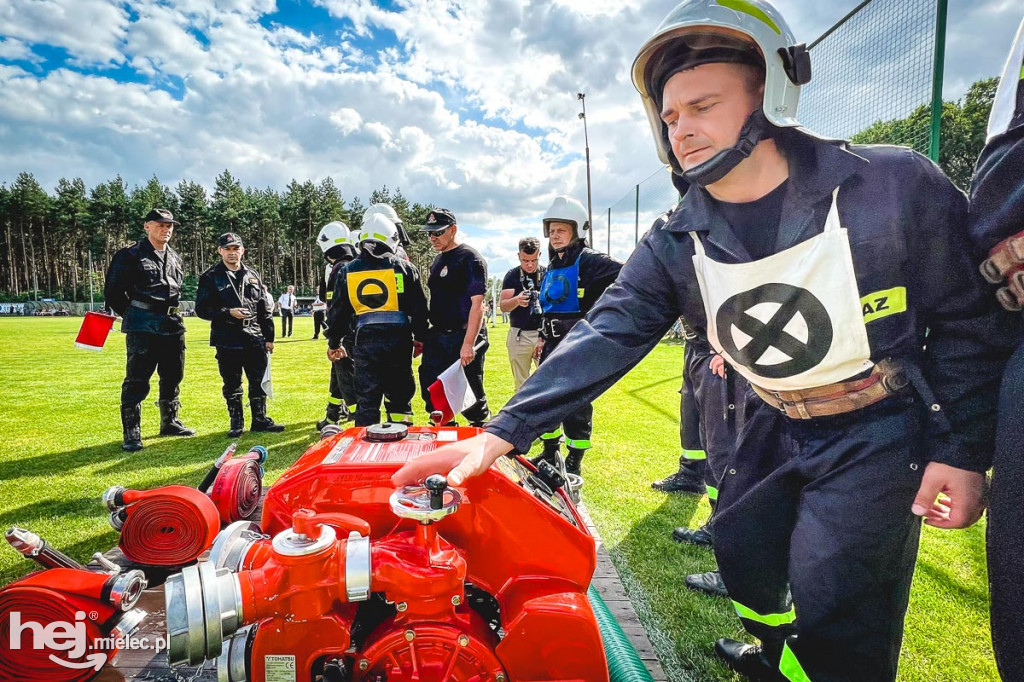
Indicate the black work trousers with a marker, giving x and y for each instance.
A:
(1005, 521)
(232, 362)
(822, 508)
(343, 382)
(440, 351)
(383, 369)
(579, 425)
(718, 414)
(148, 353)
(318, 322)
(286, 322)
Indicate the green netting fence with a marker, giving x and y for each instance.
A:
(876, 78)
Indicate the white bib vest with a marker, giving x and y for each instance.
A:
(793, 320)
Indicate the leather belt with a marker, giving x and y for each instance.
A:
(886, 378)
(555, 328)
(159, 308)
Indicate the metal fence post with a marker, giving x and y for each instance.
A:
(609, 230)
(636, 218)
(940, 56)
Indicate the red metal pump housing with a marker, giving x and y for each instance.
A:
(348, 579)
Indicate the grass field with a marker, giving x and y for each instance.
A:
(60, 435)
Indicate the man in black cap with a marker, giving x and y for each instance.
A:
(142, 286)
(457, 283)
(232, 296)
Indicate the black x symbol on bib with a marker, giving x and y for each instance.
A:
(793, 301)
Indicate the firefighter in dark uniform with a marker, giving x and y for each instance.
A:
(689, 477)
(457, 283)
(576, 277)
(142, 286)
(818, 270)
(338, 245)
(380, 295)
(717, 396)
(232, 297)
(997, 227)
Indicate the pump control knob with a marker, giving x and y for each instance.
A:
(436, 484)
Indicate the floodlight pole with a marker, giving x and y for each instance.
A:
(582, 97)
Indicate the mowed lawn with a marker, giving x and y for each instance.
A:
(60, 448)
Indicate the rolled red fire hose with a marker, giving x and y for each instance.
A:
(168, 526)
(237, 489)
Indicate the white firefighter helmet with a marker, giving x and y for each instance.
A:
(567, 210)
(708, 28)
(381, 229)
(332, 234)
(389, 212)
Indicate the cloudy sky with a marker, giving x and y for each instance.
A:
(470, 105)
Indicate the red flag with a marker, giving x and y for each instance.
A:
(94, 331)
(451, 393)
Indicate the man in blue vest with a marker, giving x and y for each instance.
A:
(576, 277)
(838, 280)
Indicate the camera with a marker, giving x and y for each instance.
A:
(530, 288)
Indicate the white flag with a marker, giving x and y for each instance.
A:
(267, 385)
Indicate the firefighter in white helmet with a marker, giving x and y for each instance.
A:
(339, 248)
(380, 295)
(576, 277)
(838, 280)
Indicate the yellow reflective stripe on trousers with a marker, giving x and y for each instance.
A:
(578, 444)
(694, 455)
(712, 492)
(790, 667)
(334, 401)
(770, 619)
(557, 433)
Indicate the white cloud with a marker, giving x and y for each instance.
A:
(468, 105)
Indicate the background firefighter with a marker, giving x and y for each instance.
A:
(143, 286)
(232, 297)
(576, 277)
(338, 246)
(380, 295)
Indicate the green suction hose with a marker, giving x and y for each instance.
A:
(624, 662)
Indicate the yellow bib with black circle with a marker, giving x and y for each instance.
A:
(373, 291)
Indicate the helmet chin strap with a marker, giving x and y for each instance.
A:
(718, 166)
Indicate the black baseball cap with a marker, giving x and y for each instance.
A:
(439, 219)
(161, 215)
(228, 239)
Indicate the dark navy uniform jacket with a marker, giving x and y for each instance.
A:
(137, 273)
(907, 226)
(216, 296)
(359, 298)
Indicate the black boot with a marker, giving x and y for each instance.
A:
(131, 424)
(702, 537)
(574, 460)
(709, 583)
(688, 479)
(237, 416)
(260, 420)
(169, 423)
(753, 662)
(551, 452)
(331, 416)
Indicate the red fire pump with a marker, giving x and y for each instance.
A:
(175, 524)
(64, 623)
(349, 579)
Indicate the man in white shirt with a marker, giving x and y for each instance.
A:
(287, 303)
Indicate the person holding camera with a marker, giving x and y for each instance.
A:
(233, 298)
(575, 279)
(520, 297)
